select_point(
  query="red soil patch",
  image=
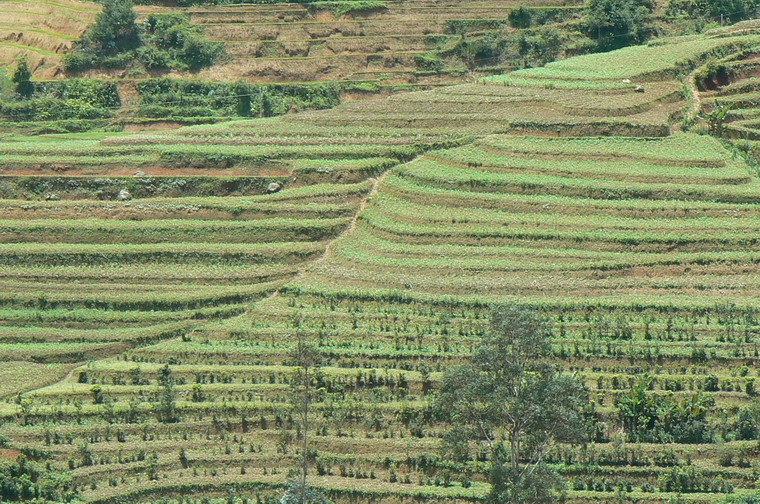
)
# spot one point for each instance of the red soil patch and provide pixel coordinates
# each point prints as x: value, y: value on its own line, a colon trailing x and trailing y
x: 9, y: 454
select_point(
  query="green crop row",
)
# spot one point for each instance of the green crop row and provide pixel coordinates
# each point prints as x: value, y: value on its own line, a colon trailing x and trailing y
x: 168, y: 230
x: 24, y: 254
x: 658, y: 58
x: 436, y: 174
x: 480, y: 159
x: 130, y: 299
x: 687, y: 148
x: 407, y: 211
x: 660, y: 208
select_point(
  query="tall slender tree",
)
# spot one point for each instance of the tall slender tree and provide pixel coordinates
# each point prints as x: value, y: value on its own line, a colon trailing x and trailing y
x: 304, y: 393
x: 510, y: 399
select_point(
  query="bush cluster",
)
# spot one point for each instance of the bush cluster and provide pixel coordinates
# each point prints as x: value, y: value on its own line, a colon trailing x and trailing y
x: 116, y: 40
x: 668, y: 418
x: 63, y: 100
x: 184, y: 98
x: 27, y: 479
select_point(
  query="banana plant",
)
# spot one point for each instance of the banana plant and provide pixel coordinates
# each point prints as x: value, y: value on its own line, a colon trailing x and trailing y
x: 716, y: 118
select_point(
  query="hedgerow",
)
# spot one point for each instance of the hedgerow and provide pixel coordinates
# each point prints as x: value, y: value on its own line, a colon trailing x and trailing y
x: 197, y: 98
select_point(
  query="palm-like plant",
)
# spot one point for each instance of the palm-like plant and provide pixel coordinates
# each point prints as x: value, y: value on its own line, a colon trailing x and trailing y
x: 716, y: 118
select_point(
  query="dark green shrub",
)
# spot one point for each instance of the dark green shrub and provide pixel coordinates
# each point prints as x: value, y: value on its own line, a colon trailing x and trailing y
x: 717, y: 10
x: 115, y: 30
x: 711, y: 383
x: 22, y: 78
x: 650, y: 417
x: 47, y: 109
x: 618, y: 23
x: 747, y: 422
x: 175, y: 42
x: 163, y: 41
x: 25, y: 479
x: 690, y: 480
x: 103, y: 94
x: 520, y: 17
x: 193, y: 98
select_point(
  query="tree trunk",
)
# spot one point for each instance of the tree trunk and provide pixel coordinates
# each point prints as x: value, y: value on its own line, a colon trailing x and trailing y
x: 305, y: 427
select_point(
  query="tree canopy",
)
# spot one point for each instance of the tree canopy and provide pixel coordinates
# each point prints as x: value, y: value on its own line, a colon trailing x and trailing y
x: 618, y: 23
x: 516, y: 404
x: 115, y: 29
x: 28, y: 480
x: 116, y: 40
x: 22, y: 77
x: 718, y: 10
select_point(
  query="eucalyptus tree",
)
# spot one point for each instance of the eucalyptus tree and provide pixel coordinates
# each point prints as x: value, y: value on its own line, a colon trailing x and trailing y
x: 515, y: 403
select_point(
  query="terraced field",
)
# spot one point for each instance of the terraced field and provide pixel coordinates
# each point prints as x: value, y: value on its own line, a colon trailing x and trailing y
x: 329, y: 144
x: 583, y: 102
x: 315, y: 42
x: 734, y: 87
x: 292, y: 42
x: 44, y: 31
x: 84, y: 279
x: 399, y: 224
x: 667, y: 222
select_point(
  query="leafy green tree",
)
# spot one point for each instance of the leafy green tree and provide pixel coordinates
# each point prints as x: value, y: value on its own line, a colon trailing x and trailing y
x: 175, y: 42
x: 618, y: 23
x: 266, y: 108
x: 243, y: 99
x: 196, y: 52
x: 115, y: 30
x: 22, y: 77
x: 539, y: 47
x: 162, y: 41
x: 151, y: 467
x: 520, y: 17
x: 716, y: 118
x: 717, y: 10
x: 747, y: 423
x: 30, y: 480
x: 518, y: 405
x: 183, y: 459
x: 97, y: 394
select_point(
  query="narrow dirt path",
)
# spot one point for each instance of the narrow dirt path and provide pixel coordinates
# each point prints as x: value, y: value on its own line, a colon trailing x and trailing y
x: 696, y: 99
x: 352, y: 223
x: 63, y: 380
x: 349, y: 229
x: 70, y: 373
x: 328, y: 248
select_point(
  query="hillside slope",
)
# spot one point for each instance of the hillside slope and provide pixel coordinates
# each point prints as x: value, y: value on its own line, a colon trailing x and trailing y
x: 315, y: 42
x: 44, y: 31
x: 292, y: 42
x: 384, y: 231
